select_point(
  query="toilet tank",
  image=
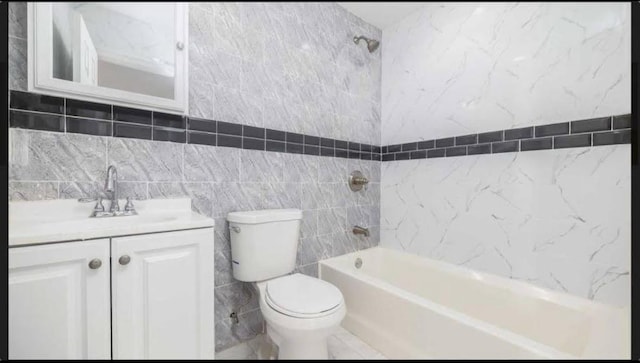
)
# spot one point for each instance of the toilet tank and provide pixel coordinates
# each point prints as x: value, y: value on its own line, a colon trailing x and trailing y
x: 264, y: 243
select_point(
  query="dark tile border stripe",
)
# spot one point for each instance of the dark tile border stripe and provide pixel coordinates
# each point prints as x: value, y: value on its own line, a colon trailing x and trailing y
x: 79, y: 125
x: 42, y: 112
x: 522, y: 133
x: 202, y: 138
x: 36, y: 121
x: 581, y: 133
x: 132, y: 131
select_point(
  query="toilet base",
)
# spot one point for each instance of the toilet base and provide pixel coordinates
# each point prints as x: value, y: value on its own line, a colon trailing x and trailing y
x: 310, y: 348
x: 267, y: 350
x: 304, y: 350
x: 300, y: 338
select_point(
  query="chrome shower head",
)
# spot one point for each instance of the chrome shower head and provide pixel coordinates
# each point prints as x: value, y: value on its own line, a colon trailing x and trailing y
x: 372, y: 44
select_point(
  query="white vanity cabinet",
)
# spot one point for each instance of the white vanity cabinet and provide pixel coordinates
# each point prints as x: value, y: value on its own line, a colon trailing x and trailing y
x: 162, y: 293
x: 150, y: 296
x: 58, y: 305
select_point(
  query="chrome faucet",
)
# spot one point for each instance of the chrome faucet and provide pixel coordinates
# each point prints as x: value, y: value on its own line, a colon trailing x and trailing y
x: 111, y: 186
x: 111, y: 190
x: 361, y: 230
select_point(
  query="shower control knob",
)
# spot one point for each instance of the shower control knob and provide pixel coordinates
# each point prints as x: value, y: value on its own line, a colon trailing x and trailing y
x: 360, y: 180
x: 124, y: 260
x: 357, y: 180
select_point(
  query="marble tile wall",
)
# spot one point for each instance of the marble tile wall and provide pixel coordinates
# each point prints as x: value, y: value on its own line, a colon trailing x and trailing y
x: 557, y: 218
x: 286, y: 66
x: 18, y: 46
x: 457, y: 69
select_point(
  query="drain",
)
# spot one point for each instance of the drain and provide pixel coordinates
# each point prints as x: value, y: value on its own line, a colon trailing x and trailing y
x: 358, y: 262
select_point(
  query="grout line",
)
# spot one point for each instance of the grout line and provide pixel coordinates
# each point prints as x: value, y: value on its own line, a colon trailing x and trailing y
x: 106, y: 153
x: 38, y: 112
x: 120, y: 122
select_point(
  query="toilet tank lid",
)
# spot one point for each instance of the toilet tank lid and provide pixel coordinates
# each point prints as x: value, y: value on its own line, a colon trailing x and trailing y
x: 265, y: 215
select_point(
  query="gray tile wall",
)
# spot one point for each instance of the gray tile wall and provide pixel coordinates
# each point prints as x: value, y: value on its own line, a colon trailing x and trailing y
x: 287, y: 66
x: 18, y: 46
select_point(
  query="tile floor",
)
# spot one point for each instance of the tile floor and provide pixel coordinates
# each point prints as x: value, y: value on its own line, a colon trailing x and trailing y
x: 342, y: 345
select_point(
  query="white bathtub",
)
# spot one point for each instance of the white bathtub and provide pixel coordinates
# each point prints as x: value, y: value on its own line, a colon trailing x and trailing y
x: 407, y: 306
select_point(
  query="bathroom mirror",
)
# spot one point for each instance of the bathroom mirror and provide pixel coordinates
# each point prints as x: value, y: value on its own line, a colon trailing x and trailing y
x: 124, y: 53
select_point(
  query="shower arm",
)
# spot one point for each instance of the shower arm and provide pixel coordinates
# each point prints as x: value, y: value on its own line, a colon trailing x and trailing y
x: 372, y: 44
x: 357, y: 39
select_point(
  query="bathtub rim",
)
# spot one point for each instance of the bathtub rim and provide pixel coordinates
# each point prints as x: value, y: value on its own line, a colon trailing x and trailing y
x: 501, y: 333
x: 575, y: 302
x: 512, y: 284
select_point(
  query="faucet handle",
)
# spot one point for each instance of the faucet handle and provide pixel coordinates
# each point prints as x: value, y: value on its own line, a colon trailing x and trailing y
x: 357, y: 181
x: 99, y: 207
x: 129, y: 206
x: 129, y: 209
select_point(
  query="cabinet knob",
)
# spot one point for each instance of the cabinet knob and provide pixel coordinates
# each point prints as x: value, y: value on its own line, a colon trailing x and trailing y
x: 124, y: 260
x: 95, y: 264
x: 180, y: 45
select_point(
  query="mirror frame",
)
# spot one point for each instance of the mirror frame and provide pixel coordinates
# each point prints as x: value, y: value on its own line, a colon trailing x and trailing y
x: 40, y: 72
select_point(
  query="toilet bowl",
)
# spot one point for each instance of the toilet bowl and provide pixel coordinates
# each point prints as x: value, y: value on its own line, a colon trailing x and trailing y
x: 300, y: 311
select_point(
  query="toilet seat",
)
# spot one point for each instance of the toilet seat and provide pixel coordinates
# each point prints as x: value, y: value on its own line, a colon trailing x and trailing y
x: 302, y: 296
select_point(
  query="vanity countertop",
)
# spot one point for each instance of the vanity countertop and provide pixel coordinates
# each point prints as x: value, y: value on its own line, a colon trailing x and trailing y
x: 61, y: 220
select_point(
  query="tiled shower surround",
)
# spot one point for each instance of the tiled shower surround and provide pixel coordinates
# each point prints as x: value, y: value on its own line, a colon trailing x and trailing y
x: 289, y: 67
x: 556, y: 218
x: 486, y: 78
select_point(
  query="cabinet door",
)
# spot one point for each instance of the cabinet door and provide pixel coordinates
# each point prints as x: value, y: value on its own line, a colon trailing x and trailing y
x: 58, y: 305
x: 163, y: 296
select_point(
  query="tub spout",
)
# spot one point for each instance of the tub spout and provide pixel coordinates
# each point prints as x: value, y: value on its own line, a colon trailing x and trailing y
x: 361, y: 230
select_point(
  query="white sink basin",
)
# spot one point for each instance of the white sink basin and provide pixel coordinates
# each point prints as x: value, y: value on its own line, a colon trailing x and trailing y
x: 95, y: 223
x: 67, y: 220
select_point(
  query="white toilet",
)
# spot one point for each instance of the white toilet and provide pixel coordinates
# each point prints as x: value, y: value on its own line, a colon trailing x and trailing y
x: 301, y: 311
